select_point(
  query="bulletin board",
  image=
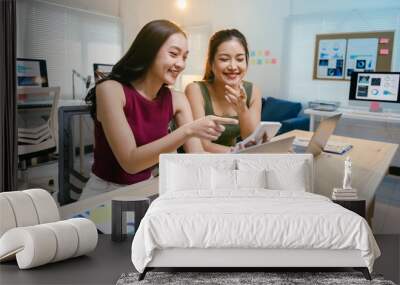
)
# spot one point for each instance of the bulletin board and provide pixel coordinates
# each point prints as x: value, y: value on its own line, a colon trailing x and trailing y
x: 336, y: 56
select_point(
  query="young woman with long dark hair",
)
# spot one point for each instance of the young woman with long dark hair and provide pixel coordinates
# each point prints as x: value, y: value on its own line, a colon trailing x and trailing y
x: 224, y: 92
x: 133, y: 106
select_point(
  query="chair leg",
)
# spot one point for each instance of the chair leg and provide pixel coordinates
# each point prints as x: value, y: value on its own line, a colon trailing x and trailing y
x: 394, y: 170
x: 364, y: 271
x: 117, y: 221
x: 143, y: 274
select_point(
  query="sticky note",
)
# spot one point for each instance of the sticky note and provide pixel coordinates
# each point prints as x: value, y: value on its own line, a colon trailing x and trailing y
x: 259, y: 61
x: 267, y: 52
x: 259, y: 53
x: 375, y: 106
x: 252, y: 61
x: 384, y: 51
x: 274, y: 61
x: 252, y: 53
x: 383, y: 40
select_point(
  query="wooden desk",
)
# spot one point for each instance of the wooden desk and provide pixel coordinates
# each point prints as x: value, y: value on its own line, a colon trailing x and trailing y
x: 371, y: 160
x: 145, y: 188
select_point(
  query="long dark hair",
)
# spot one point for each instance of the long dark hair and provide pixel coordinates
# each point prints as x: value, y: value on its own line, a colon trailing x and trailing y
x: 138, y: 59
x: 215, y: 41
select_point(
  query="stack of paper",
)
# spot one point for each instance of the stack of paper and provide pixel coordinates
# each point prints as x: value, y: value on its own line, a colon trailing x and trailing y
x: 337, y: 147
x: 344, y: 194
x: 331, y: 146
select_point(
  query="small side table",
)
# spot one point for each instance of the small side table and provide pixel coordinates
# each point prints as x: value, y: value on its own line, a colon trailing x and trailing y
x: 357, y: 206
x: 123, y: 204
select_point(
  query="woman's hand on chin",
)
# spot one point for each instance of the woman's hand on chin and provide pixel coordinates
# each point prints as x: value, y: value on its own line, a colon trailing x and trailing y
x: 236, y: 96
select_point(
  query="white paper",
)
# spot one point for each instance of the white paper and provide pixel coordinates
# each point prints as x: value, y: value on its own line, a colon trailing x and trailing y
x: 331, y: 55
x: 361, y: 55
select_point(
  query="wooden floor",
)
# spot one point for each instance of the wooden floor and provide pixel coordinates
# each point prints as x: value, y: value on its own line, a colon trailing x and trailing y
x: 110, y: 260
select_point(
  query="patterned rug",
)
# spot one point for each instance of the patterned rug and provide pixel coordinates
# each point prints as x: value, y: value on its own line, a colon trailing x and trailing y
x: 242, y: 278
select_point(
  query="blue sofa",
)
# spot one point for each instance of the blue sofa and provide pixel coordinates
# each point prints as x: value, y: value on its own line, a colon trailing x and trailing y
x: 285, y: 112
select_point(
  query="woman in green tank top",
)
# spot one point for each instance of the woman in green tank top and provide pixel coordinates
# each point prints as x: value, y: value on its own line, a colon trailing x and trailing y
x: 223, y: 91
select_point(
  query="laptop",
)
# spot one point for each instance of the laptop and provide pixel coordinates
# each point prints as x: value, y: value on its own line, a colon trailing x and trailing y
x: 278, y: 146
x: 320, y: 137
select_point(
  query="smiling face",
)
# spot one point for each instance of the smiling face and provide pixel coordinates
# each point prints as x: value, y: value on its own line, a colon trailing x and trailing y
x: 171, y: 59
x: 229, y: 65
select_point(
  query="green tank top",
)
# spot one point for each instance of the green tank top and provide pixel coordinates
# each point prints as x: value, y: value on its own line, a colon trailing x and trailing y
x: 231, y: 132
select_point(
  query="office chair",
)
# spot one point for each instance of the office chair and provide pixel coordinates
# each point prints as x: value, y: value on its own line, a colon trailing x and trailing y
x: 41, y: 140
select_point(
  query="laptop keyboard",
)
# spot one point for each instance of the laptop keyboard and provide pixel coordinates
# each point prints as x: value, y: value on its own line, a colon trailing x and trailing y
x: 300, y: 145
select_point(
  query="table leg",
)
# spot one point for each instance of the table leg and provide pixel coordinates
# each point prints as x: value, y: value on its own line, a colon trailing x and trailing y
x: 81, y: 146
x: 116, y: 223
x: 312, y: 122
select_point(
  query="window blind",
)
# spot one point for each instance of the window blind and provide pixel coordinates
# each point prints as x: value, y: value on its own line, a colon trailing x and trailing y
x: 67, y: 39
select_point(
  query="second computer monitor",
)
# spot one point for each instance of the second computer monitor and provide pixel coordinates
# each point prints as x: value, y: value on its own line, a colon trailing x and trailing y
x: 375, y: 86
x: 31, y: 73
x: 101, y: 70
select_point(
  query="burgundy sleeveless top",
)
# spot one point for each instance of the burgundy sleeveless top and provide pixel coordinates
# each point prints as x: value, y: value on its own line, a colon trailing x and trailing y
x: 148, y: 121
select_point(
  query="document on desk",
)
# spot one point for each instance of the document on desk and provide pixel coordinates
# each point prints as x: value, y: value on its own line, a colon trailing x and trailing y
x: 331, y: 146
x: 337, y: 147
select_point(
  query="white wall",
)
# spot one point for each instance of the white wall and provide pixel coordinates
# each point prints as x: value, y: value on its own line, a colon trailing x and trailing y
x: 106, y: 7
x: 261, y: 21
x: 317, y: 6
x: 311, y: 17
x: 287, y: 28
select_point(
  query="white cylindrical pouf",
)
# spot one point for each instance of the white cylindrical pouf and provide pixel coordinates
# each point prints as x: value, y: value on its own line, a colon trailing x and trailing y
x: 87, y: 235
x: 34, y: 246
x: 24, y: 210
x: 67, y: 239
x: 7, y: 218
x: 45, y: 205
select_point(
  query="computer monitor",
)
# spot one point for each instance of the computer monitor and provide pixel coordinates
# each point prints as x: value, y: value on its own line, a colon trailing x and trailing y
x: 101, y: 70
x: 31, y: 73
x: 375, y: 86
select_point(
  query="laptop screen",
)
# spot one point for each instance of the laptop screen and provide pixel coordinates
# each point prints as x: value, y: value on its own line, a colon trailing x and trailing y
x: 322, y: 134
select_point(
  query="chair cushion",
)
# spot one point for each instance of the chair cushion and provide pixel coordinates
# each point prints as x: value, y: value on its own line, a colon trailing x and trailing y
x: 8, y: 220
x: 27, y: 208
x: 45, y: 205
x: 40, y: 244
x: 31, y: 246
x: 23, y: 208
x: 67, y: 239
x: 278, y: 110
x: 87, y: 235
x: 301, y: 122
